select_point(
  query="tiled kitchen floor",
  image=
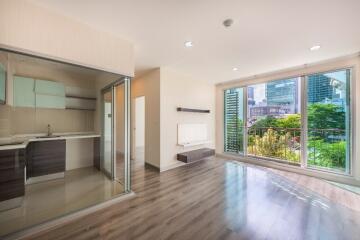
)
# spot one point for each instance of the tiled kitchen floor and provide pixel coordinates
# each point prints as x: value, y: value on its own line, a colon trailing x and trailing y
x: 47, y: 200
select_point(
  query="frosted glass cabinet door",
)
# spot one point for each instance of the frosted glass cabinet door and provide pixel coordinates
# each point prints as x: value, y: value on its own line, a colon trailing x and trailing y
x: 49, y: 88
x: 2, y: 84
x: 49, y: 94
x: 24, y: 95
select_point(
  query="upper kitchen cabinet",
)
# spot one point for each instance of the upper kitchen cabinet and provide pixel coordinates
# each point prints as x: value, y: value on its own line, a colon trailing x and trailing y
x: 49, y: 94
x: 29, y: 92
x: 24, y: 95
x: 52, y: 88
x: 2, y: 84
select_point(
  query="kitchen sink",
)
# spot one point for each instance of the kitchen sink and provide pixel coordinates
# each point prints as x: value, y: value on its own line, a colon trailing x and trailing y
x: 52, y: 136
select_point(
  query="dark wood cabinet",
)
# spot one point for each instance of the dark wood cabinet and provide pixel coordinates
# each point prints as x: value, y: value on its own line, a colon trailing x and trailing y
x: 12, y: 183
x: 97, y: 153
x: 45, y: 157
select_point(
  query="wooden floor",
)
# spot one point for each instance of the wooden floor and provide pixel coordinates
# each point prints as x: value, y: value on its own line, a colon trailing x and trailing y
x: 217, y: 199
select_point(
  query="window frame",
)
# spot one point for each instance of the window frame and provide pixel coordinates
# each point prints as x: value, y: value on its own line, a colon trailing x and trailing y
x: 349, y: 172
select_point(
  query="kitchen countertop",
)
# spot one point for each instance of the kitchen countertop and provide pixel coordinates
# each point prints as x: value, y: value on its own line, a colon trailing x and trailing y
x: 21, y: 141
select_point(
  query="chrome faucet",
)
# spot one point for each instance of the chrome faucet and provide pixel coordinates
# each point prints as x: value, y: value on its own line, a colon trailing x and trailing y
x: 49, y: 130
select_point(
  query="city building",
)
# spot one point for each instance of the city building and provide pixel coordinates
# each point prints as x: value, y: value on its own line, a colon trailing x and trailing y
x: 283, y: 93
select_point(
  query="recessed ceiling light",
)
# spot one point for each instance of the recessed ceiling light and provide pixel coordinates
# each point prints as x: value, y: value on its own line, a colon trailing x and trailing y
x: 188, y: 44
x: 235, y: 69
x: 315, y: 48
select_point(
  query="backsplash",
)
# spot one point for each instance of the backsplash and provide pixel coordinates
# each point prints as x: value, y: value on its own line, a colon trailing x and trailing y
x: 22, y: 120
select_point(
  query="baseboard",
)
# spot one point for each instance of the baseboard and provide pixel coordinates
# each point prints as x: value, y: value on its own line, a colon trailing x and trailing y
x: 284, y: 167
x: 172, y: 166
x: 149, y: 165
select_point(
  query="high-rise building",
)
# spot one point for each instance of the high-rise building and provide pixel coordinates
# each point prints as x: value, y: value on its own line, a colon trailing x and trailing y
x: 283, y: 93
x: 231, y: 120
x: 319, y: 88
x: 250, y: 93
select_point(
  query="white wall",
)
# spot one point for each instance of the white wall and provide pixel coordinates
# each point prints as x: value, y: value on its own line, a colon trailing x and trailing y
x: 352, y: 61
x: 179, y: 90
x: 34, y: 29
x: 165, y: 90
x: 140, y: 121
x: 148, y: 85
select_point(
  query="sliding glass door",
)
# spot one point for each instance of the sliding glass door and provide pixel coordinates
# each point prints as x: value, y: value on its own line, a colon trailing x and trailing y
x: 107, y: 161
x: 303, y: 121
x: 273, y: 120
x: 115, y: 156
x: 328, y: 120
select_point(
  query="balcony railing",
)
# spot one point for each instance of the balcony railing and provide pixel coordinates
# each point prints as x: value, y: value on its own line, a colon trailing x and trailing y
x: 275, y: 143
x: 326, y: 148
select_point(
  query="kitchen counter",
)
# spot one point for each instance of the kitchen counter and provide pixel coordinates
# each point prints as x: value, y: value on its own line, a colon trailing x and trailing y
x: 21, y: 141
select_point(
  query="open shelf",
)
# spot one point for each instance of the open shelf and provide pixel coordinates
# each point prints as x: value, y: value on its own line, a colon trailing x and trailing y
x: 181, y: 109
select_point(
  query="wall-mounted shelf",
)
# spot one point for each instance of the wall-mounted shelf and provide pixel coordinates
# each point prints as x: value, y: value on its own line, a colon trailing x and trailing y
x: 82, y: 109
x: 180, y: 109
x: 80, y: 103
x: 85, y: 98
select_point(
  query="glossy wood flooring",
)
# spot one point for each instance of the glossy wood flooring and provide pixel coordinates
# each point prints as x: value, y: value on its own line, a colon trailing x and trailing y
x: 216, y: 199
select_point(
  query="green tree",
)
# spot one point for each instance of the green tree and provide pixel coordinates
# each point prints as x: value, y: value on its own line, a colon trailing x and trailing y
x: 268, y: 121
x: 290, y: 121
x: 274, y: 145
x: 325, y: 116
x: 324, y: 154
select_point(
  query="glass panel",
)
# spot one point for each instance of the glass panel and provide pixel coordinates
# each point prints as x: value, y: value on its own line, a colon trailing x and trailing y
x: 120, y: 133
x: 2, y: 83
x: 107, y: 131
x: 273, y: 120
x: 234, y: 120
x: 328, y: 119
x: 84, y: 176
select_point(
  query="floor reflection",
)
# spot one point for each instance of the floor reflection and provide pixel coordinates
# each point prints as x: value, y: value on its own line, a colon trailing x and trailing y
x: 261, y: 204
x: 44, y: 201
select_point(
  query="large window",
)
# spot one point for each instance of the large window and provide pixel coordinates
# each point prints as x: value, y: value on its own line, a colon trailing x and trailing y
x: 303, y: 121
x: 328, y: 120
x: 273, y: 120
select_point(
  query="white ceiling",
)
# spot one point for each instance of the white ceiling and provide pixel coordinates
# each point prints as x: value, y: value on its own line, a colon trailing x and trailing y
x: 267, y: 35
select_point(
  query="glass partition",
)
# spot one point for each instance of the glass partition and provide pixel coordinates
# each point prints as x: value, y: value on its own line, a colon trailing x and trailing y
x: 107, y: 163
x: 120, y: 132
x: 2, y: 78
x: 58, y: 139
